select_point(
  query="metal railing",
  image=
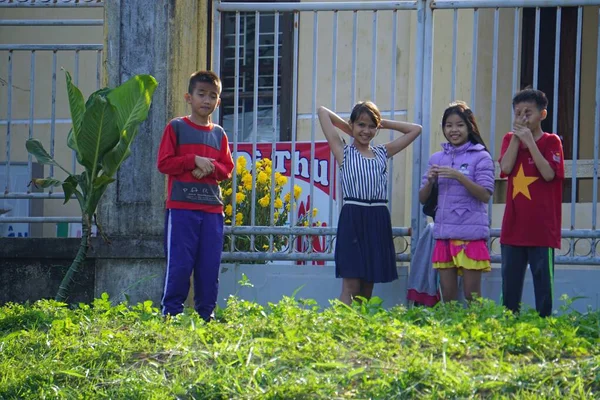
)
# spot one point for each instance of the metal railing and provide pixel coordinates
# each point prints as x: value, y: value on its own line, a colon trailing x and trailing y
x: 362, y: 68
x: 36, y: 52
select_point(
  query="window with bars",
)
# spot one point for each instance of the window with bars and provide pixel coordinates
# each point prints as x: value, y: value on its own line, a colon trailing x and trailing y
x: 273, y: 123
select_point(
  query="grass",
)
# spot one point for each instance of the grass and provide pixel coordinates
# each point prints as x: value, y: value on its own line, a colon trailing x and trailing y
x: 295, y: 350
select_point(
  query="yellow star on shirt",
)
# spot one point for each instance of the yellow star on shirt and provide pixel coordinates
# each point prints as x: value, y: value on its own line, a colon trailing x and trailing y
x: 521, y: 183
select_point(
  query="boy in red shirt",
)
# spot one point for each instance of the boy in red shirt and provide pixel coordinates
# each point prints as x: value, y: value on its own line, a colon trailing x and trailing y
x: 533, y: 162
x: 195, y: 155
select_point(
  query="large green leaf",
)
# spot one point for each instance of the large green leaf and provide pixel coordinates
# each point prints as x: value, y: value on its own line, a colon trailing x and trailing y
x: 70, y: 188
x: 46, y: 182
x: 36, y: 149
x: 131, y: 101
x: 99, y: 133
x: 77, y: 107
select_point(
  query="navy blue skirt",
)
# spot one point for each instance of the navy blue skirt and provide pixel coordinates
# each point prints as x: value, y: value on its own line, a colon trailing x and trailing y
x: 364, y: 246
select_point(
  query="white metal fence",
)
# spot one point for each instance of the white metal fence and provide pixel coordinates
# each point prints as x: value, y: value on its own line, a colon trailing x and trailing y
x: 280, y: 61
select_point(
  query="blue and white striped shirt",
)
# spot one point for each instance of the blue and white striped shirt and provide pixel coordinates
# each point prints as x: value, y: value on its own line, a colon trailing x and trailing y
x: 364, y: 178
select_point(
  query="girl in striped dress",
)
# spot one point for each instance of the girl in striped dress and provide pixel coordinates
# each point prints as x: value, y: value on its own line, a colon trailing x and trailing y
x: 364, y: 249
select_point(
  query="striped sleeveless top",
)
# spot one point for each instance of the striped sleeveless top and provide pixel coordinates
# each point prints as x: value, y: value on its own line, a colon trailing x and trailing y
x: 364, y: 178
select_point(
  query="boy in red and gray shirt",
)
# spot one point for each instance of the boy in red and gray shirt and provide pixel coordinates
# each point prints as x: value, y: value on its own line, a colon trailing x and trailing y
x: 531, y: 229
x: 195, y: 155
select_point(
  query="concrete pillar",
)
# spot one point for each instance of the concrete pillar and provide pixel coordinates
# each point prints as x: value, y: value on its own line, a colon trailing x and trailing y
x: 169, y: 40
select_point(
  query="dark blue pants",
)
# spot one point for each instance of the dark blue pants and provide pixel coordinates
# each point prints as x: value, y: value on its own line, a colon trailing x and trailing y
x: 193, y: 242
x: 514, y: 266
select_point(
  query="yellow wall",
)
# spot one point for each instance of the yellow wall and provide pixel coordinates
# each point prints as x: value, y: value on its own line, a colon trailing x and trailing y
x: 43, y: 86
x: 404, y: 89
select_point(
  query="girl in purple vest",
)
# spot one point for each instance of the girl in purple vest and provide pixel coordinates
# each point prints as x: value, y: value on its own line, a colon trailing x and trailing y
x: 464, y: 173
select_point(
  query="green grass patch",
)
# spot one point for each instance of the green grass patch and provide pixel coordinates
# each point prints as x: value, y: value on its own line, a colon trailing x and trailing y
x: 296, y: 350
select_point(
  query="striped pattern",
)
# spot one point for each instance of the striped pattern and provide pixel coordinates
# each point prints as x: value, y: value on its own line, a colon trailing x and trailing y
x: 168, y: 251
x: 364, y: 178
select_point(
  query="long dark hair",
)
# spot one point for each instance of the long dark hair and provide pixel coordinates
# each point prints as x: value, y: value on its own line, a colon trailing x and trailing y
x: 461, y: 109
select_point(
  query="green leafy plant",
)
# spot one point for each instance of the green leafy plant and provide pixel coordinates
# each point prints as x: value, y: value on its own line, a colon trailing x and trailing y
x: 104, y: 128
x: 294, y: 349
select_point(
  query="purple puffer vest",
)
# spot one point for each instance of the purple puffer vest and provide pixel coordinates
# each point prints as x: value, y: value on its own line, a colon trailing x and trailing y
x: 459, y: 215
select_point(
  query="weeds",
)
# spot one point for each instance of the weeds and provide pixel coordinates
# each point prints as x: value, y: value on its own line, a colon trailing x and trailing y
x: 294, y: 349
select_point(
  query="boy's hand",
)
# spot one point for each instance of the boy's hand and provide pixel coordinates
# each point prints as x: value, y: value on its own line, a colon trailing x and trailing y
x: 204, y: 164
x: 432, y: 174
x: 198, y: 174
x: 520, y: 129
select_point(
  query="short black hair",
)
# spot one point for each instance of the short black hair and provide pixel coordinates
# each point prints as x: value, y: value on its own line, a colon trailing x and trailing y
x: 531, y: 96
x: 204, y: 76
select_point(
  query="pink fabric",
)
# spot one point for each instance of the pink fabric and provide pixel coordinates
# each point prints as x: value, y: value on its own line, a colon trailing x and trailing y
x: 423, y: 298
x: 444, y: 250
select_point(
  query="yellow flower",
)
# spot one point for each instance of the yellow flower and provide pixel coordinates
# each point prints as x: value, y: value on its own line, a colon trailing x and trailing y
x: 240, y: 165
x: 280, y: 179
x: 262, y: 177
x: 227, y: 221
x: 239, y: 218
x: 297, y: 191
x: 247, y: 181
x: 228, y: 210
x: 267, y: 162
x: 305, y: 223
x: 264, y: 201
x: 314, y: 212
x: 241, y: 161
x: 268, y: 171
x: 259, y: 164
x: 228, y: 192
x: 287, y: 197
x: 287, y: 207
x: 276, y: 216
x: 240, y: 188
x: 265, y: 246
x: 278, y: 203
x: 239, y: 197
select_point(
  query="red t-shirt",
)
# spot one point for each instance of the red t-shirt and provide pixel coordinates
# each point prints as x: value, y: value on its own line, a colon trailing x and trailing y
x: 533, y: 206
x: 182, y: 141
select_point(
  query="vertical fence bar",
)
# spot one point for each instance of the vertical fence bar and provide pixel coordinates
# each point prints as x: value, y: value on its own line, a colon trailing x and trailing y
x: 31, y: 111
x: 392, y: 105
x: 576, y: 119
x: 354, y: 51
x: 76, y: 81
x: 275, y: 138
x: 333, y: 183
x: 454, y: 55
x: 53, y: 114
x: 556, y: 70
x: 313, y: 166
x: 98, y: 69
x: 474, y: 63
x: 493, y: 99
x: 374, y: 60
x: 416, y: 213
x: 294, y: 128
x: 9, y: 118
x: 596, y: 137
x: 255, y: 123
x: 515, y: 59
x: 536, y: 49
x: 216, y: 60
x: 236, y: 116
x: 427, y: 85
